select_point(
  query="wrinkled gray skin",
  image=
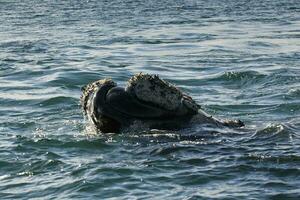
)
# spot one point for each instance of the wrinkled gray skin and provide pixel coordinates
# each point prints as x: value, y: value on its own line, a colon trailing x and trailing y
x: 111, y: 108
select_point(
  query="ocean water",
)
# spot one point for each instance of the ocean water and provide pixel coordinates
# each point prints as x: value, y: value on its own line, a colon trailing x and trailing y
x: 239, y: 59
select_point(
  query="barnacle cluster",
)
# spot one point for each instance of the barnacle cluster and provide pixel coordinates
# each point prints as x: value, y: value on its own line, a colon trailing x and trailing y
x: 90, y: 89
x: 152, y: 89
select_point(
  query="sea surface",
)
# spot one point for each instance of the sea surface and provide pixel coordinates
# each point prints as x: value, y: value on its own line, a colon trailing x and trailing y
x: 239, y: 59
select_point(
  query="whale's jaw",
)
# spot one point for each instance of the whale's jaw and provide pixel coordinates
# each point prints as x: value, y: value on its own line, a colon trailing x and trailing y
x: 93, y: 95
x: 146, y: 98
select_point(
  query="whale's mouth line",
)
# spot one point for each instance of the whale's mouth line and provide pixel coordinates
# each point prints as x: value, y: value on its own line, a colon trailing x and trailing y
x: 145, y: 98
x: 113, y: 110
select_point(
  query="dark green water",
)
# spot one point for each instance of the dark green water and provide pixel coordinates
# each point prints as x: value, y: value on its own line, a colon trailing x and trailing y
x: 238, y: 59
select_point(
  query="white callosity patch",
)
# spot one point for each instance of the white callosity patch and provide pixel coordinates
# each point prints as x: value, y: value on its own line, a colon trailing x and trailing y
x: 150, y: 88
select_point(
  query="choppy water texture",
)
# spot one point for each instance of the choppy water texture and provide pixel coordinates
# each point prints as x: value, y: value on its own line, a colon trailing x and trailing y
x: 238, y: 59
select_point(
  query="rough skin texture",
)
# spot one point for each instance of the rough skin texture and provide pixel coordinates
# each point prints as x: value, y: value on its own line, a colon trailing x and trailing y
x: 154, y: 92
x: 152, y: 89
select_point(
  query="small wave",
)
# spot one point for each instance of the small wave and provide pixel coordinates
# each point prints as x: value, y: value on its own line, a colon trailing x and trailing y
x: 289, y: 108
x: 194, y: 161
x: 290, y: 194
x: 20, y: 124
x: 41, y: 166
x: 274, y: 132
x: 70, y: 79
x: 276, y: 184
x: 179, y: 22
x: 295, y: 92
x: 261, y: 44
x: 59, y: 100
x: 63, y: 143
x: 169, y: 150
x: 280, y: 159
x: 241, y: 76
x: 4, y: 164
x: 240, y: 79
x: 115, y: 65
x: 26, y: 46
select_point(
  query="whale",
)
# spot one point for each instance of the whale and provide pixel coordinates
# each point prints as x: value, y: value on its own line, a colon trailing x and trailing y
x: 145, y: 98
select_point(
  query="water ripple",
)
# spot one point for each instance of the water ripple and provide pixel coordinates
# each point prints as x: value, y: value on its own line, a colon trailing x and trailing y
x: 238, y: 59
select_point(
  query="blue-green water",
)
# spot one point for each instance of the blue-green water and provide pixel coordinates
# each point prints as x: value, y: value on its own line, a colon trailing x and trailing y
x: 238, y: 59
